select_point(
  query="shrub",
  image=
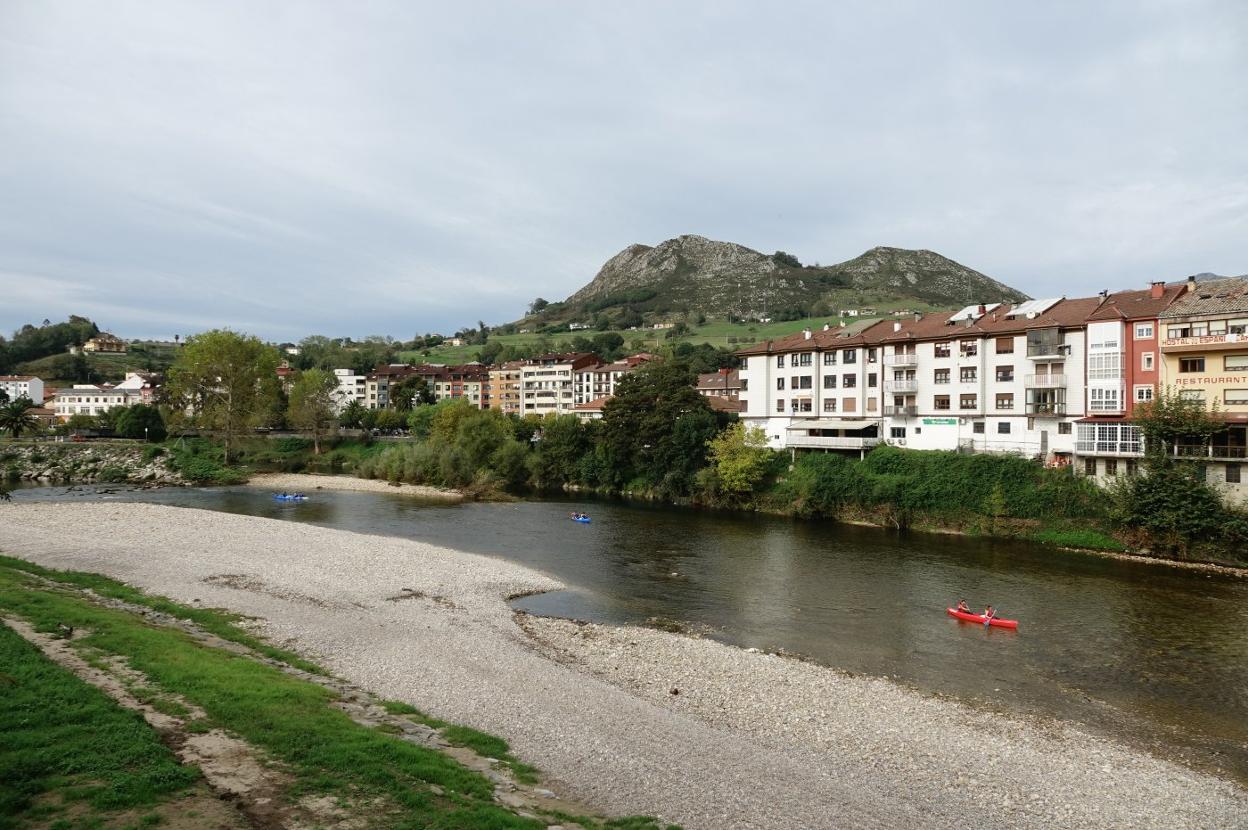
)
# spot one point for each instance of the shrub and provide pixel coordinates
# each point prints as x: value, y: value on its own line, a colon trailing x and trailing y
x: 114, y: 474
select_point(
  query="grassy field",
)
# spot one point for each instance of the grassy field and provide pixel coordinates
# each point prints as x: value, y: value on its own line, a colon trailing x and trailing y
x: 140, y: 358
x: 719, y: 333
x: 63, y: 742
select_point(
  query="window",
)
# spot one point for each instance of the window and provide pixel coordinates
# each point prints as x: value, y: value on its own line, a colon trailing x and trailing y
x: 829, y: 381
x: 978, y: 427
x: 1104, y: 365
x: 1089, y: 466
x: 941, y: 402
x: 872, y: 380
x: 968, y: 374
x: 803, y: 382
x: 968, y: 348
x: 1143, y: 394
x: 849, y: 381
x: 779, y: 361
x: 1239, y: 326
x: 780, y: 384
x: 1005, y: 374
x: 1143, y: 331
x: 1235, y: 363
x: 872, y: 357
x: 1063, y: 428
x: 849, y: 356
x: 1217, y: 326
x: 967, y: 401
x: 780, y: 405
x: 849, y: 405
x: 803, y: 359
x: 803, y: 405
x: 829, y: 358
x: 1111, y: 466
x: 897, y: 432
x: 1146, y: 361
x: 1103, y: 400
x: 1005, y: 400
x: 1191, y: 364
x: 942, y: 350
x: 1133, y: 468
x: 871, y: 404
x: 1235, y: 397
x: 942, y: 376
x: 1232, y: 474
x: 1005, y: 345
x: 793, y: 404
x: 829, y: 405
x: 1003, y: 427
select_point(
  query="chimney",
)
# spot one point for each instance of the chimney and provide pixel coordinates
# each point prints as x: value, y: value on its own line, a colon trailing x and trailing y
x: 842, y: 324
x: 1104, y: 295
x: 1156, y: 289
x: 983, y: 309
x: 918, y: 315
x: 826, y: 327
x: 806, y: 334
x: 896, y: 326
x: 1191, y: 283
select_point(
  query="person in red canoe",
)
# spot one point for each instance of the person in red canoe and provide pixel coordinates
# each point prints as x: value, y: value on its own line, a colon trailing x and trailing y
x: 989, y: 613
x: 963, y: 607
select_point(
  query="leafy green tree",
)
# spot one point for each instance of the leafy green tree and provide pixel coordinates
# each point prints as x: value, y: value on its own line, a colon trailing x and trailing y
x: 563, y: 441
x: 413, y: 390
x: 608, y: 345
x: 228, y: 380
x: 16, y: 418
x: 312, y: 405
x: 740, y: 457
x: 787, y: 260
x: 446, y: 418
x: 538, y: 305
x: 388, y: 420
x: 352, y: 416
x: 140, y: 421
x: 479, y: 435
x: 1170, y: 418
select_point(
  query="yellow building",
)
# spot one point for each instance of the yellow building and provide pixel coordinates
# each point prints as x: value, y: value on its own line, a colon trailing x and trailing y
x: 105, y: 343
x: 504, y: 387
x: 1203, y: 346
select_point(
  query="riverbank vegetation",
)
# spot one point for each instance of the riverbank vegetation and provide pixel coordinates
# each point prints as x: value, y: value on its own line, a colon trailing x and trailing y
x: 66, y: 745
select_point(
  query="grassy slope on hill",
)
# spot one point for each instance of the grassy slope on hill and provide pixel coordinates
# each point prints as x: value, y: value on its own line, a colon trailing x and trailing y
x: 111, y: 366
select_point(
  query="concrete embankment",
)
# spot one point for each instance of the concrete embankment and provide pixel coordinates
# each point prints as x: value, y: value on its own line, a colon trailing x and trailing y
x: 625, y: 719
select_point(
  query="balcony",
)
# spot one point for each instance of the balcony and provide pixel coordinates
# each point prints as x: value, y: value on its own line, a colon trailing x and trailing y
x: 901, y: 411
x: 910, y: 385
x: 1048, y: 351
x: 1210, y: 451
x: 902, y: 360
x: 825, y: 442
x: 1046, y: 409
x: 1045, y: 381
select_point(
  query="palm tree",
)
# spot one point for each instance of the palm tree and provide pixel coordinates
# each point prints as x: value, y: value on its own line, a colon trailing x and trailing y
x: 15, y: 418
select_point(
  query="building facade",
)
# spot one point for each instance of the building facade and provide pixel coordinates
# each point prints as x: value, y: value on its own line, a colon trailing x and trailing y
x: 547, y: 382
x: 22, y: 386
x: 351, y: 387
x: 88, y: 399
x: 504, y: 390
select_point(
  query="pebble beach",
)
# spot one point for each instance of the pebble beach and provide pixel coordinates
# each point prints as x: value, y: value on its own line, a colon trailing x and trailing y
x: 628, y: 720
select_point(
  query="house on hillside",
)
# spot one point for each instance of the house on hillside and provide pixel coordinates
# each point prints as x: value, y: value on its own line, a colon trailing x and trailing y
x: 105, y: 343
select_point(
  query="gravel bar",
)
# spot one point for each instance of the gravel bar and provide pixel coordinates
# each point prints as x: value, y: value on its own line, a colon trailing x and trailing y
x: 304, y: 482
x: 628, y: 720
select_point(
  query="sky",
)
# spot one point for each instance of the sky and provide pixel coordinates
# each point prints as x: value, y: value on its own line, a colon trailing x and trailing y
x: 355, y: 168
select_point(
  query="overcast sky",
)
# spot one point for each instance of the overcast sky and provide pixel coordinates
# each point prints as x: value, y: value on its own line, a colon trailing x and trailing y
x: 356, y: 168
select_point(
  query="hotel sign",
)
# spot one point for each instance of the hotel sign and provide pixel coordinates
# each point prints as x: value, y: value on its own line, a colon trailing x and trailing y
x: 932, y: 422
x: 1204, y: 340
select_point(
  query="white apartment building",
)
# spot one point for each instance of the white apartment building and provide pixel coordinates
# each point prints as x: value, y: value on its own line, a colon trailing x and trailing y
x: 599, y: 380
x: 815, y: 390
x: 87, y: 399
x: 351, y: 387
x: 547, y: 382
x: 22, y: 386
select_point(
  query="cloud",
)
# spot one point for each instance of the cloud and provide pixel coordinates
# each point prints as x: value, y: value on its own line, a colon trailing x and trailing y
x: 399, y: 168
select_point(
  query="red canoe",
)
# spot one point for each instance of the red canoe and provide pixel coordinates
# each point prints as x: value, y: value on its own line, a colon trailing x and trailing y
x: 979, y: 618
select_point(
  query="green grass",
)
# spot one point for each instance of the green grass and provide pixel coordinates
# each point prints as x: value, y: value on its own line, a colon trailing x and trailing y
x: 1087, y: 538
x: 59, y: 734
x: 221, y: 623
x: 288, y: 718
x: 482, y: 743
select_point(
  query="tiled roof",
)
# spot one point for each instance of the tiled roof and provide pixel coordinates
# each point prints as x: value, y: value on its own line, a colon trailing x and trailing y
x: 1137, y: 305
x: 1224, y: 296
x: 725, y: 404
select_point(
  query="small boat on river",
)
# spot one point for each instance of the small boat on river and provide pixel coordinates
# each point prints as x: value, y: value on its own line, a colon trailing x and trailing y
x: 580, y: 517
x: 981, y: 619
x: 290, y: 497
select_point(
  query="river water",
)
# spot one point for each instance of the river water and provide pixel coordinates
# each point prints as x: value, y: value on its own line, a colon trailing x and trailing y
x: 1154, y: 655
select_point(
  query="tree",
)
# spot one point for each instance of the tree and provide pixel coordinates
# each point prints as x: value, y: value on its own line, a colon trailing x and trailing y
x: 352, y: 416
x: 312, y: 404
x: 564, y: 441
x: 740, y: 457
x: 228, y: 380
x: 413, y: 390
x: 781, y: 258
x: 140, y: 421
x: 16, y: 418
x: 537, y: 305
x: 1170, y: 418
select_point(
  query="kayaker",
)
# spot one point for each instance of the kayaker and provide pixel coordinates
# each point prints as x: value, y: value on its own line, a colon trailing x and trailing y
x: 989, y: 613
x: 963, y: 607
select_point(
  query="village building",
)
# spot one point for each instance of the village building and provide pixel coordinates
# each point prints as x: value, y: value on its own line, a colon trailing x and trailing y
x: 351, y: 387
x: 547, y: 382
x: 22, y: 386
x: 726, y: 383
x: 89, y: 399
x: 504, y: 387
x: 105, y: 343
x: 599, y: 380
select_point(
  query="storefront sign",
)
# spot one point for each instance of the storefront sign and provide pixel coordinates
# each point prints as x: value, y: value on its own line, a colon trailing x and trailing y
x: 934, y: 422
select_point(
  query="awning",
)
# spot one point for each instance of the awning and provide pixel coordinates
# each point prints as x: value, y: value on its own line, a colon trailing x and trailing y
x: 832, y: 423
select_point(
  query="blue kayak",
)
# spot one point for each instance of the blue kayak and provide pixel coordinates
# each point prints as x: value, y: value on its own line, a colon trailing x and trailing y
x: 582, y: 519
x: 281, y: 497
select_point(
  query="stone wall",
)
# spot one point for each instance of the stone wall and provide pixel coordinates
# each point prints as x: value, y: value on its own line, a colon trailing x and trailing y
x: 89, y: 462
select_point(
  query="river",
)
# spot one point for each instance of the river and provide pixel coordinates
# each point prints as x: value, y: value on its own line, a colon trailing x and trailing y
x: 1154, y: 655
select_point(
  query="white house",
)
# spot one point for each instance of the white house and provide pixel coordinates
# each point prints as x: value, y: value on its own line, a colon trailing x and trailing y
x: 22, y: 386
x: 351, y: 387
x: 87, y: 399
x: 547, y: 382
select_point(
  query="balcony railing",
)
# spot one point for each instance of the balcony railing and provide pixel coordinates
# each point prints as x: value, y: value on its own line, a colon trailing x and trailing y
x: 828, y: 442
x: 901, y: 360
x: 1045, y: 381
x: 1209, y: 451
x: 1046, y: 409
x: 1048, y: 351
x: 902, y: 386
x: 904, y: 411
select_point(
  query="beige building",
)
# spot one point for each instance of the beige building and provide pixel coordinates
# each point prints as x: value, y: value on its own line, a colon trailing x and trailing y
x: 105, y: 343
x: 504, y: 389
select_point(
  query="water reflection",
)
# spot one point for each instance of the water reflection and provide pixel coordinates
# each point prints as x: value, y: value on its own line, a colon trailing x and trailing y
x: 1156, y: 655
